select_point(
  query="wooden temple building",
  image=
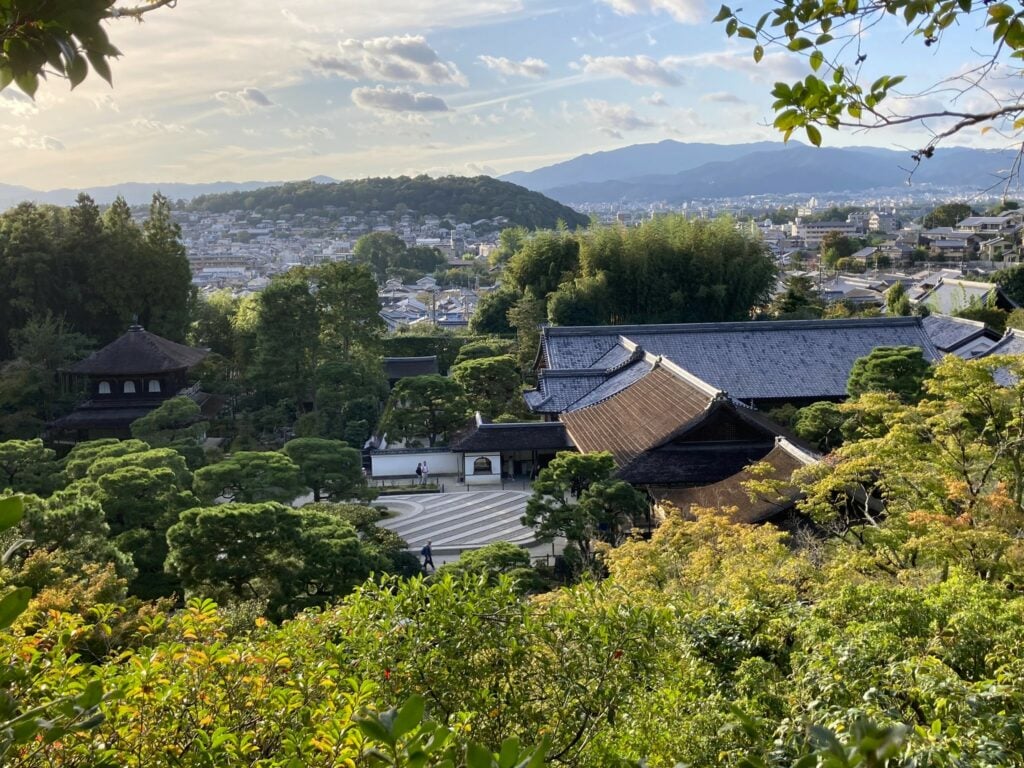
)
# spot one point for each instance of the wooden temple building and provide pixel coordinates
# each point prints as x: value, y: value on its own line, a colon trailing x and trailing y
x: 125, y: 380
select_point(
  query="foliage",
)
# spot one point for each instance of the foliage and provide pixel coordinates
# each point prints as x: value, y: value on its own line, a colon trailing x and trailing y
x: 800, y: 300
x: 821, y: 424
x: 897, y: 301
x: 491, y: 314
x: 37, y: 39
x: 986, y: 313
x: 493, y: 385
x: 470, y: 198
x: 544, y: 262
x: 493, y: 560
x: 250, y: 476
x: 486, y: 347
x: 328, y: 467
x: 901, y: 370
x: 1011, y: 280
x: 839, y: 91
x: 428, y: 407
x: 289, y: 559
x: 27, y: 466
x: 177, y: 423
x: 947, y: 215
x: 576, y: 497
x: 386, y: 254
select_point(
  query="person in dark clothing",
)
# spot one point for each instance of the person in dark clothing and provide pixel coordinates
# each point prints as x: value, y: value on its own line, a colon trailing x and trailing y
x: 428, y: 557
x: 419, y: 474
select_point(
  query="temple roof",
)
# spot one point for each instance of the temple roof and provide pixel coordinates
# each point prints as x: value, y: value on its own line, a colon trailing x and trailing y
x: 948, y: 333
x: 138, y: 352
x: 641, y: 416
x: 765, y: 360
x: 483, y: 436
x: 783, y: 460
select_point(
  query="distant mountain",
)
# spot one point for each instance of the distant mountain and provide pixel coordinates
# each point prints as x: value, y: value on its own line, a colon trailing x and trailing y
x: 793, y: 168
x: 636, y: 160
x: 468, y: 199
x: 136, y: 193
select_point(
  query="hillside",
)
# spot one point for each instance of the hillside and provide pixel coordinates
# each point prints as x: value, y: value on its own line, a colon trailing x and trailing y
x: 136, y: 193
x: 466, y: 198
x: 685, y: 171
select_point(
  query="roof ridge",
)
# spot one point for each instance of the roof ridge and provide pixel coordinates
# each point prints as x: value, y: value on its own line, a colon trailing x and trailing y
x: 728, y: 326
x: 796, y: 451
x: 690, y: 378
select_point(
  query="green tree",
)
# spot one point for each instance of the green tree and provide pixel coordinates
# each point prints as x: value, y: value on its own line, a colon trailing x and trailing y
x: 948, y: 215
x: 491, y: 315
x: 510, y: 241
x: 428, y: 407
x: 382, y: 252
x: 1012, y: 282
x: 800, y: 301
x: 348, y: 308
x: 177, y: 423
x: 488, y: 347
x: 290, y: 559
x: 249, y: 477
x: 900, y: 370
x: 526, y: 316
x: 213, y: 324
x: 836, y: 246
x: 27, y: 466
x: 66, y: 41
x: 576, y: 497
x: 164, y: 293
x: 493, y: 385
x: 821, y: 424
x: 493, y: 560
x: 287, y: 341
x: 330, y: 468
x: 897, y: 301
x: 544, y: 262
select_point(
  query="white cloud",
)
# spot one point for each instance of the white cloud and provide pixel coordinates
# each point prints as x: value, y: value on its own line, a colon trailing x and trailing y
x: 656, y: 100
x: 308, y: 133
x: 381, y: 99
x: 244, y: 100
x: 406, y: 58
x: 722, y: 97
x: 638, y: 69
x: 41, y: 143
x: 528, y: 67
x: 773, y: 67
x: 614, y: 119
x: 17, y: 103
x: 145, y: 125
x: 683, y: 11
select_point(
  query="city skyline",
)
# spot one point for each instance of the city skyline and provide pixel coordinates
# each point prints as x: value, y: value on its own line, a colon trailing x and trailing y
x: 207, y: 92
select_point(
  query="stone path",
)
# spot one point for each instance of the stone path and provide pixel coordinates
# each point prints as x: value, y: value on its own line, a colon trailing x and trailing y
x: 457, y: 521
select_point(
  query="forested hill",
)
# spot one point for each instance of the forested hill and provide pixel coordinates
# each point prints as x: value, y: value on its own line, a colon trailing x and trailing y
x: 467, y: 198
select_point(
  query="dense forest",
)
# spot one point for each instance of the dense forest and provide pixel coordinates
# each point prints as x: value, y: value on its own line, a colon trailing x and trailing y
x: 468, y: 199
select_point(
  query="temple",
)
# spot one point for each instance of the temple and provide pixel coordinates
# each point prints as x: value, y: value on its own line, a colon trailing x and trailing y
x: 125, y: 380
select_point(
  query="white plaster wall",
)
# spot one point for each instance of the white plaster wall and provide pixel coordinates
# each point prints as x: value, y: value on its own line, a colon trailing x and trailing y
x: 404, y: 464
x: 491, y: 479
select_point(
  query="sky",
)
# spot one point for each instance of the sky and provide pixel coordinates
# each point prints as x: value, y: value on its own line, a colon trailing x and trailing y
x: 237, y: 90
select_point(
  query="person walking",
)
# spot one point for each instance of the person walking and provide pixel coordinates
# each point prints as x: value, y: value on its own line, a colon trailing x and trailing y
x: 426, y: 473
x: 419, y: 474
x: 428, y: 557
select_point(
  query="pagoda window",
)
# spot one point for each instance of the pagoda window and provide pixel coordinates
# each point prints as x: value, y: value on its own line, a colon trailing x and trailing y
x: 129, y: 388
x: 482, y: 466
x: 153, y: 386
x: 103, y: 388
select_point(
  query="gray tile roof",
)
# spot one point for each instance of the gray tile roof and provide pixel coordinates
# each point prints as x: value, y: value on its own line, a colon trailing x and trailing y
x: 614, y: 384
x: 797, y: 359
x: 948, y: 333
x: 950, y: 296
x: 139, y: 352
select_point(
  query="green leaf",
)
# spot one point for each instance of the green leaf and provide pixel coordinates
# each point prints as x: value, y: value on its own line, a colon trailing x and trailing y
x: 816, y: 59
x: 91, y: 696
x: 11, y: 511
x: 374, y: 729
x: 813, y: 135
x: 13, y: 605
x: 723, y: 13
x: 1000, y: 12
x: 799, y: 44
x: 77, y: 69
x: 509, y: 753
x: 478, y: 756
x: 758, y: 53
x: 747, y: 33
x: 409, y: 716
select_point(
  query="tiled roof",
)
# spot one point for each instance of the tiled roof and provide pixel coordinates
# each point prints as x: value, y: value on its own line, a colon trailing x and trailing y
x: 950, y: 296
x: 613, y: 384
x: 138, y: 352
x: 948, y: 333
x: 641, y: 416
x: 526, y: 436
x: 761, y: 360
x: 1011, y: 344
x: 401, y: 367
x: 784, y: 459
x: 692, y: 464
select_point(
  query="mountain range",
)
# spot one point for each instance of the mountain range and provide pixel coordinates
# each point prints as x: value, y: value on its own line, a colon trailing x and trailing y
x: 676, y: 172
x: 136, y: 193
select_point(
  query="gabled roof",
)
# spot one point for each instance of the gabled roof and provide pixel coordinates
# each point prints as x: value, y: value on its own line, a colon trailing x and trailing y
x: 483, y: 436
x: 795, y: 359
x: 401, y: 367
x: 950, y: 333
x: 642, y: 416
x: 949, y: 296
x: 138, y: 352
x: 784, y: 459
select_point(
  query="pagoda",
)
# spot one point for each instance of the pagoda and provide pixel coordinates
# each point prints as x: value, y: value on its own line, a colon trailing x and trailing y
x: 124, y: 381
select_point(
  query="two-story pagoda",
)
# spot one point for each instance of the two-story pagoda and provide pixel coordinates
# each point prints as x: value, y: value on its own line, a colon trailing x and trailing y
x: 127, y: 379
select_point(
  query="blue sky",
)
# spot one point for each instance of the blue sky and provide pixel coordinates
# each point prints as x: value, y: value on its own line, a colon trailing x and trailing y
x: 259, y: 89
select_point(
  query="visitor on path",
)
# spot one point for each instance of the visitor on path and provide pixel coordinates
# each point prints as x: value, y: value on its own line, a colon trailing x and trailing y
x: 426, y: 472
x: 419, y: 474
x: 428, y: 557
